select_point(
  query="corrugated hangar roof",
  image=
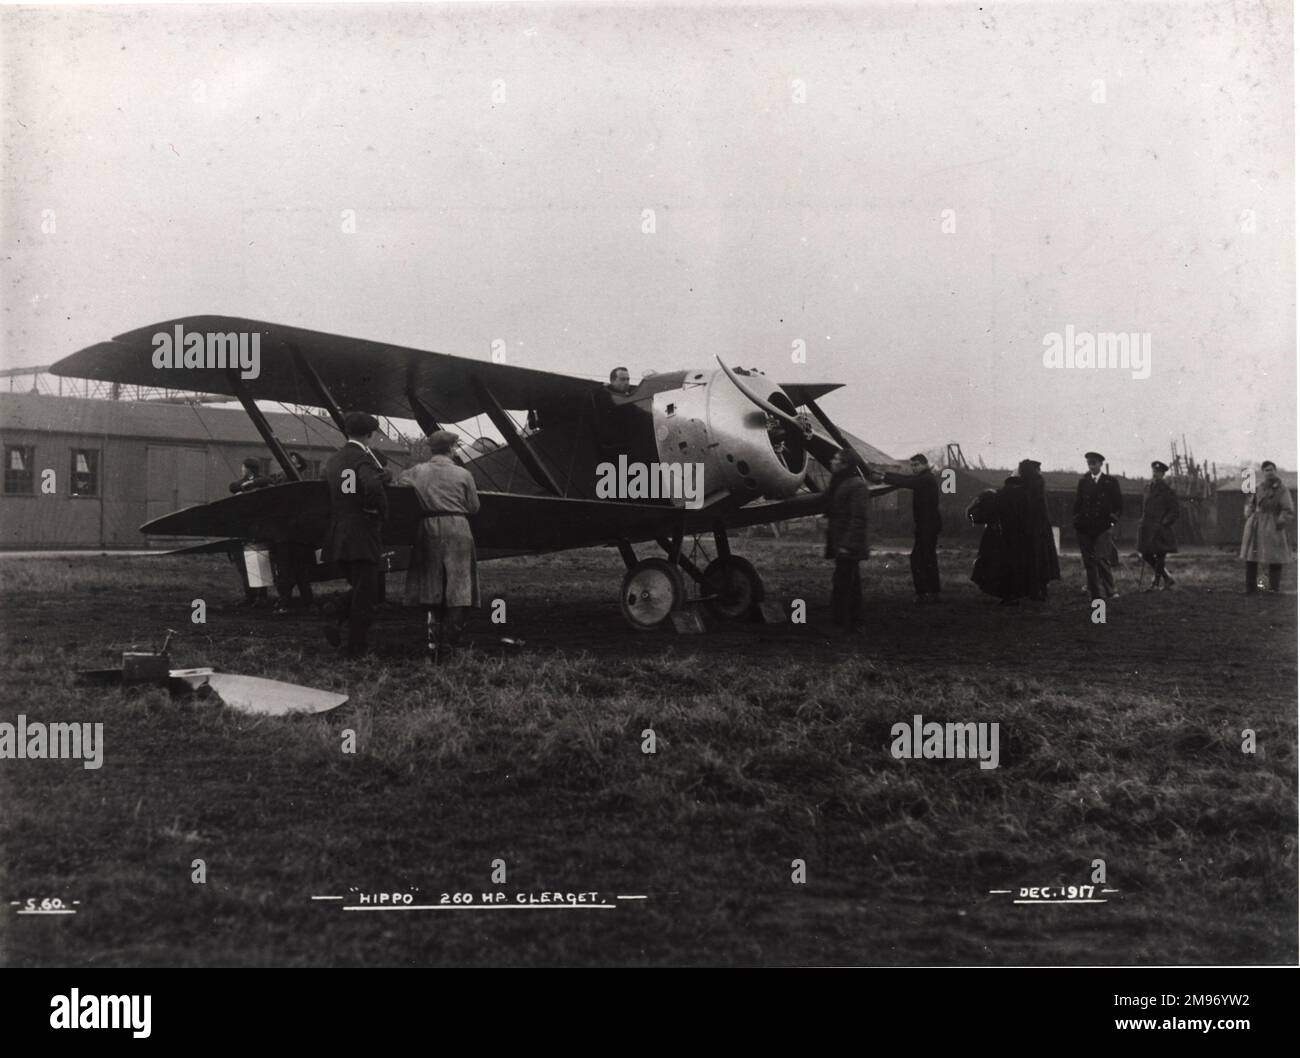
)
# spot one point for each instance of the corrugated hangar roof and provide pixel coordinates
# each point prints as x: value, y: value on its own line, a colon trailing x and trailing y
x: 182, y: 422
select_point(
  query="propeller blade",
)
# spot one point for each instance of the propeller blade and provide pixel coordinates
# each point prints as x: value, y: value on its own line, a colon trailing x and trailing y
x: 834, y: 431
x: 821, y: 449
x: 760, y: 402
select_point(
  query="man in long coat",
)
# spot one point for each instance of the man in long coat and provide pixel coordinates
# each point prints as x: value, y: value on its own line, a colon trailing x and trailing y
x: 1098, y: 505
x: 990, y: 569
x: 353, y: 539
x: 1160, y: 511
x: 1043, y: 565
x: 443, y: 577
x: 1004, y: 566
x: 1268, y: 511
x: 846, y: 540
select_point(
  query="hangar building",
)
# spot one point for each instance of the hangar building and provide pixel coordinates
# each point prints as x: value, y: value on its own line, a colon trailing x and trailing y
x: 118, y: 464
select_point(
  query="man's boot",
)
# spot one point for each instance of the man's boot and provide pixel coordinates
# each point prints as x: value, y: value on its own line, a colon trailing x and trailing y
x: 1275, y: 577
x: 1252, y: 577
x: 456, y: 626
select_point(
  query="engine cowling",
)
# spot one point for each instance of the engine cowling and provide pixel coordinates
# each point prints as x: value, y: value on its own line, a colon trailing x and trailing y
x: 743, y: 450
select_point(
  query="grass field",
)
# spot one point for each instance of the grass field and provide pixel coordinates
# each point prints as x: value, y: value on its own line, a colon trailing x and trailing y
x: 1119, y: 742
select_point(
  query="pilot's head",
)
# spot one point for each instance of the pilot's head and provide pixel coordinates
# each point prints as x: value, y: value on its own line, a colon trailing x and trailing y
x: 919, y: 463
x: 299, y: 464
x: 620, y: 380
x: 840, y: 461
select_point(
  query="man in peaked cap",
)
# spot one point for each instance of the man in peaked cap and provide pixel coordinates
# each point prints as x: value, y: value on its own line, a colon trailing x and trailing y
x: 1098, y: 505
x: 358, y: 508
x: 1160, y: 511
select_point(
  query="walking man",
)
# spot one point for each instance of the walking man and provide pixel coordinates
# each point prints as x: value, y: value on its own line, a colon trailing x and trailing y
x: 443, y: 577
x: 1098, y: 505
x: 846, y: 541
x: 926, y: 524
x: 358, y: 508
x: 1156, y: 532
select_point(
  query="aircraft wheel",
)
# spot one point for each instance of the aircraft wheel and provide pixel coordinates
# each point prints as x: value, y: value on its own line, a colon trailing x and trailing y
x: 735, y: 586
x: 652, y: 589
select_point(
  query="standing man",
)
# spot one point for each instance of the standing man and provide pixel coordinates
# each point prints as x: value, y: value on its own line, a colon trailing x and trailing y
x: 443, y: 577
x: 846, y: 540
x: 1098, y: 505
x: 1263, y: 538
x: 358, y: 508
x: 1042, y: 563
x: 926, y: 524
x: 292, y: 560
x: 1156, y: 532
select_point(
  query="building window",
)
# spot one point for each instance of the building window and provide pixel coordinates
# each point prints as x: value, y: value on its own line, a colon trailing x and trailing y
x: 264, y: 467
x: 85, y: 472
x: 18, y: 469
x: 313, y: 470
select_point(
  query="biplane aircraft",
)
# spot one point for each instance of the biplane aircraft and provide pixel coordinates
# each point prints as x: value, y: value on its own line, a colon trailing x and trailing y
x: 762, y: 459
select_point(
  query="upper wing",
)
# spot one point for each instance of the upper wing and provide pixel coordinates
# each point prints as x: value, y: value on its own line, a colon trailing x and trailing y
x: 361, y: 375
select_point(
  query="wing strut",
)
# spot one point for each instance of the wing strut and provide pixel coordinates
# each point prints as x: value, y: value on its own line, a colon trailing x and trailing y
x: 318, y: 386
x: 423, y: 413
x: 263, y: 427
x: 518, y: 445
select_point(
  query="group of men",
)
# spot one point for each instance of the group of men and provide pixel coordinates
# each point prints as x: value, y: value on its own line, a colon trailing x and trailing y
x: 1017, y: 556
x: 443, y: 575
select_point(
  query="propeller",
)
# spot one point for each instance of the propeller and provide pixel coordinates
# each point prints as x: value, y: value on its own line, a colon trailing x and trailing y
x: 822, y: 449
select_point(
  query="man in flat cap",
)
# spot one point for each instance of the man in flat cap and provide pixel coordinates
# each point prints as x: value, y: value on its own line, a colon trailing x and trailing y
x: 926, y: 523
x: 1098, y: 505
x: 354, y: 538
x: 1160, y: 511
x: 443, y: 577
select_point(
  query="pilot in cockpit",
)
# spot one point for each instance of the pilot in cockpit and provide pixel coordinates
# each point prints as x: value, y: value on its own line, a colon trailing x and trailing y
x: 620, y: 382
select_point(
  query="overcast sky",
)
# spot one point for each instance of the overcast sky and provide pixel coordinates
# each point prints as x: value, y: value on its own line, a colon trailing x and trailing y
x: 1108, y: 167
